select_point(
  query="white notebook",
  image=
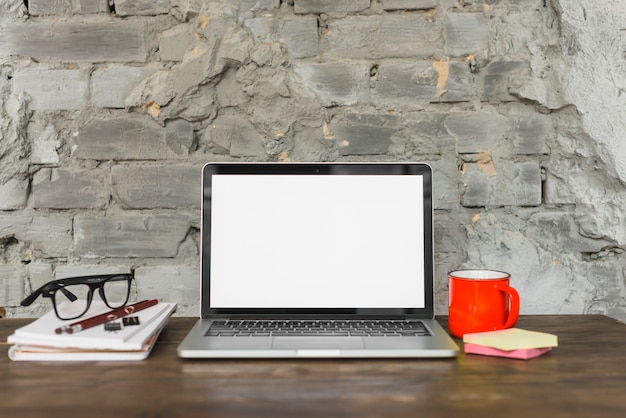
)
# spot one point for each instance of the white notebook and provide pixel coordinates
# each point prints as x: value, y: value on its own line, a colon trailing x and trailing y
x: 39, y: 341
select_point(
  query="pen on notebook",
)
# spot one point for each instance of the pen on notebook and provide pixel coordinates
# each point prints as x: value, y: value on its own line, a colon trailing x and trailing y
x: 106, y: 317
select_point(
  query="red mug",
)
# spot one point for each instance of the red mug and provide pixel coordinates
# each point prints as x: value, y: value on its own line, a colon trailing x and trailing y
x: 480, y: 300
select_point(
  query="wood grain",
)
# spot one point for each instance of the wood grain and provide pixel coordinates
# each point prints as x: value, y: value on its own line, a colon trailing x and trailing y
x: 584, y: 376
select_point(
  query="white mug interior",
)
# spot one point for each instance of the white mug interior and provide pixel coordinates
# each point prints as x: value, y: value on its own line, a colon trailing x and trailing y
x: 479, y: 274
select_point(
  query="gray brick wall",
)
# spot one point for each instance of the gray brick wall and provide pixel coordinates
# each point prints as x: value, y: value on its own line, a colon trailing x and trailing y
x: 50, y: 90
x: 58, y: 188
x: 129, y: 235
x: 76, y: 41
x: 384, y: 36
x: 67, y: 7
x: 110, y: 108
x: 128, y: 138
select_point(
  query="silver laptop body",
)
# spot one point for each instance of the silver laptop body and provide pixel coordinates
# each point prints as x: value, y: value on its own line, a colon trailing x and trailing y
x: 310, y: 245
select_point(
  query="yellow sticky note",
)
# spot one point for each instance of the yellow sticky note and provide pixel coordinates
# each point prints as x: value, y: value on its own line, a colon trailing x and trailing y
x: 512, y: 339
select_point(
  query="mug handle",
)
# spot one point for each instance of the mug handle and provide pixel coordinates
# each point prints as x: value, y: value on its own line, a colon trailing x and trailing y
x: 513, y: 297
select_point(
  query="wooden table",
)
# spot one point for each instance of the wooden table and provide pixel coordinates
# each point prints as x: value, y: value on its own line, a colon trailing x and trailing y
x: 585, y: 376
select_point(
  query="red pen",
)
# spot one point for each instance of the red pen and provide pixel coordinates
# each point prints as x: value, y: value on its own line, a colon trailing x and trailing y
x: 106, y: 317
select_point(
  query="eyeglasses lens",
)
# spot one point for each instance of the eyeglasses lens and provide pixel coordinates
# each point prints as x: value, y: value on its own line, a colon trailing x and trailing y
x: 116, y: 291
x: 71, y: 301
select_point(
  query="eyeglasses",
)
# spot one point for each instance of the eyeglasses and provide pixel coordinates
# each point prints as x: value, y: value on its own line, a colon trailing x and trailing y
x: 72, y: 296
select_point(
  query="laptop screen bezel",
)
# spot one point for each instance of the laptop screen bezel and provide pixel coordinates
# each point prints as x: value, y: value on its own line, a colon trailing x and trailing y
x: 323, y: 169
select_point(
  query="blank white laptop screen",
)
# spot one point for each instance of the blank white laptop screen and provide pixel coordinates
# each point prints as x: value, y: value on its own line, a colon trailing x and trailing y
x: 307, y: 241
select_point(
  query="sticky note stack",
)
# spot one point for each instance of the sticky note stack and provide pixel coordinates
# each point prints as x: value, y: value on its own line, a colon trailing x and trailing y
x: 512, y: 343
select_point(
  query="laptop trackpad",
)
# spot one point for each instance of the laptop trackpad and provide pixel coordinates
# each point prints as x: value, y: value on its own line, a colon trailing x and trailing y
x: 318, y: 343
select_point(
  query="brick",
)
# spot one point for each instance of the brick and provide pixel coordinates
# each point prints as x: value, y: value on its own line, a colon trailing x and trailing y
x: 560, y: 191
x: 427, y: 134
x: 39, y: 273
x: 11, y: 285
x: 67, y: 7
x: 405, y: 83
x: 384, y: 36
x: 336, y: 84
x: 59, y: 188
x: 454, y: 83
x: 141, y: 7
x: 445, y: 185
x: 93, y: 6
x: 133, y: 139
x: 451, y: 4
x: 175, y: 42
x: 503, y: 183
x: 237, y: 135
x: 52, y: 90
x: 311, y: 145
x: 330, y: 6
x: 178, y: 284
x: 364, y: 134
x: 465, y: 33
x: 50, y: 235
x: 111, y: 85
x: 409, y: 4
x: 559, y: 232
x: 13, y: 194
x: 50, y: 7
x: 255, y: 5
x: 500, y: 78
x: 529, y: 134
x: 115, y: 41
x: 300, y: 36
x: 475, y: 132
x: 76, y: 270
x: 363, y: 139
x: 418, y: 83
x: 149, y: 236
x: 478, y: 190
x: 147, y: 187
x: 527, y: 186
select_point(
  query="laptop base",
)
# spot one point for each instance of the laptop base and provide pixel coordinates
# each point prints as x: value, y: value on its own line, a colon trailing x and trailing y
x: 197, y: 345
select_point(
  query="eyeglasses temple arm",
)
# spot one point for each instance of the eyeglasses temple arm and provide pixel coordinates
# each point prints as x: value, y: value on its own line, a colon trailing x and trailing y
x: 31, y: 298
x: 68, y: 294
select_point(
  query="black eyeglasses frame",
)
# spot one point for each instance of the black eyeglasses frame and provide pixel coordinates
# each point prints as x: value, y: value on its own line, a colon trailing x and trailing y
x: 48, y: 290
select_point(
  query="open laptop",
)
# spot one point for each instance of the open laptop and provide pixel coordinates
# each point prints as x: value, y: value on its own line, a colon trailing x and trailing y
x: 317, y: 260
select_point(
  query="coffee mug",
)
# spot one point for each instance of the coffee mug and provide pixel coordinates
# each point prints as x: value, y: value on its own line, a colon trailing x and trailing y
x: 480, y: 300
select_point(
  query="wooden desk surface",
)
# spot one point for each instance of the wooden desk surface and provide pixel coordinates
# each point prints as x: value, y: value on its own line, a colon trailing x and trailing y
x: 585, y: 376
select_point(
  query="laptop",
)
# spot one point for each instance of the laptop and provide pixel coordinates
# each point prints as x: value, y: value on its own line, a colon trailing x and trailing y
x: 317, y: 260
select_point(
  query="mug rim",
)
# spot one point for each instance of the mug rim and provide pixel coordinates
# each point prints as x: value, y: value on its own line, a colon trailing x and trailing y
x: 491, y: 274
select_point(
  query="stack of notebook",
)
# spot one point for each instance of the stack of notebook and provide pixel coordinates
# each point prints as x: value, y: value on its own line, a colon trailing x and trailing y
x: 133, y: 339
x: 512, y: 343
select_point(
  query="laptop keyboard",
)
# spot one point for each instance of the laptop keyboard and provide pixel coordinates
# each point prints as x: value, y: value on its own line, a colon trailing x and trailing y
x: 346, y: 328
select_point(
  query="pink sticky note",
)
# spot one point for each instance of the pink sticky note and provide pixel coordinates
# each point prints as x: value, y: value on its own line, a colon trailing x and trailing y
x: 523, y: 354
